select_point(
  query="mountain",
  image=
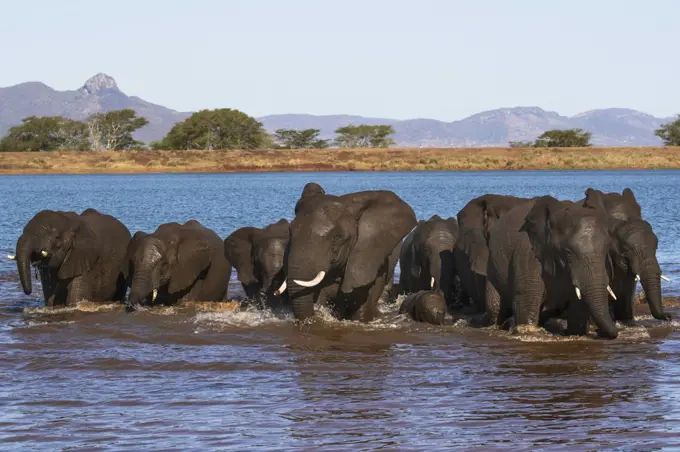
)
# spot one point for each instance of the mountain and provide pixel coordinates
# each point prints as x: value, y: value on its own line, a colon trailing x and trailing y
x: 98, y: 94
x: 610, y: 127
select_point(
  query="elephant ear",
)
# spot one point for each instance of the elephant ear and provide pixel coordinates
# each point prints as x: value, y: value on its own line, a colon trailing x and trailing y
x: 381, y: 226
x: 489, y: 218
x: 540, y: 226
x: 193, y: 258
x: 635, y: 211
x: 238, y: 249
x: 83, y: 252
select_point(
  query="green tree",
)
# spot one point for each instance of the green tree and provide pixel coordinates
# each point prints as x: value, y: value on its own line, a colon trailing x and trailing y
x: 300, y: 139
x: 222, y: 128
x: 46, y: 133
x: 563, y: 139
x: 521, y: 144
x: 364, y: 136
x: 670, y: 133
x: 112, y: 131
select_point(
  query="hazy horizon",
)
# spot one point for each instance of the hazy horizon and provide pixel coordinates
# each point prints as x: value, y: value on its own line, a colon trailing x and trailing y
x: 397, y: 59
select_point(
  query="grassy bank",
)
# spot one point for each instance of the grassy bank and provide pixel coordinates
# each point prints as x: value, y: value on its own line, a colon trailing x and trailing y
x: 338, y: 160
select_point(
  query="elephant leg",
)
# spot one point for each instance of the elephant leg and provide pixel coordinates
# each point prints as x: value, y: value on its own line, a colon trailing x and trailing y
x: 368, y: 310
x: 79, y: 289
x: 493, y: 304
x: 578, y: 317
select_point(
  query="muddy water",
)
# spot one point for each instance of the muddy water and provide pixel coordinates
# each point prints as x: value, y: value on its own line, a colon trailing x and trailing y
x: 207, y: 377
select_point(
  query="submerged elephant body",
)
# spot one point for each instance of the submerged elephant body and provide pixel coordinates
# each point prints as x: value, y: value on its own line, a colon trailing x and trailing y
x: 426, y: 261
x: 175, y: 263
x: 341, y: 249
x: 632, y: 253
x: 472, y: 252
x: 548, y: 257
x: 425, y: 306
x: 79, y: 257
x: 257, y: 254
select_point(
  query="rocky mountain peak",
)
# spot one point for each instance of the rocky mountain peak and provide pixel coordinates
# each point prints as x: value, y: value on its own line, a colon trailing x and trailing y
x: 99, y: 82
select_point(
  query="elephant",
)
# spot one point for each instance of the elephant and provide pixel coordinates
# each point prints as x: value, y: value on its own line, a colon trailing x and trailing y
x: 471, y: 251
x: 632, y: 253
x: 426, y: 260
x: 176, y: 263
x: 79, y: 257
x: 258, y: 256
x: 425, y: 306
x: 547, y: 258
x: 341, y: 249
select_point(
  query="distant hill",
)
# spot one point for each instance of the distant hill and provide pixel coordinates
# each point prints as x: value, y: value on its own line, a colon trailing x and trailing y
x: 610, y: 127
x: 99, y: 94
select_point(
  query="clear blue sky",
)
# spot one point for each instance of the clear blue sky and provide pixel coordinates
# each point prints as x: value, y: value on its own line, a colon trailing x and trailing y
x: 442, y: 59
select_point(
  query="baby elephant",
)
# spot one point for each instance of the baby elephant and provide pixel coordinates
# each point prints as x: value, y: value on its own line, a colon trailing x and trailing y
x: 425, y: 306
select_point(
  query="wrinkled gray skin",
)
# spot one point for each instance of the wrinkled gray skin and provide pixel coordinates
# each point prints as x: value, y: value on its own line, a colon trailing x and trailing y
x: 426, y: 261
x: 633, y: 252
x: 425, y: 306
x: 471, y: 252
x: 352, y: 239
x: 257, y: 254
x: 539, y: 252
x: 85, y: 256
x: 181, y: 261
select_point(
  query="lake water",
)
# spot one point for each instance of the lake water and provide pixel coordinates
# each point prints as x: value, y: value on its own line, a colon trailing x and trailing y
x: 98, y: 378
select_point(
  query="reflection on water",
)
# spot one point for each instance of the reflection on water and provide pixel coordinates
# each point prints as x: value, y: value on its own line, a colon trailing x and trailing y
x: 210, y: 377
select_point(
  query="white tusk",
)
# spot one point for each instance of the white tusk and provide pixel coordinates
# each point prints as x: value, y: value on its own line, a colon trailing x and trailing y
x: 281, y: 289
x: 313, y: 282
x: 12, y: 258
x: 44, y: 253
x: 154, y: 295
x: 637, y: 277
x: 665, y: 278
x: 432, y: 283
x: 611, y: 292
x: 578, y: 292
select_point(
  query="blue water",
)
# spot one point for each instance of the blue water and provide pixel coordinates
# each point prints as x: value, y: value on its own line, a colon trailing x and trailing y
x: 187, y: 380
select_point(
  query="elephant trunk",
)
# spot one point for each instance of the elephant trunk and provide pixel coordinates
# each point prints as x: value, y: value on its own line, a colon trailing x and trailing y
x: 597, y: 299
x: 140, y: 288
x: 23, y: 257
x: 302, y: 301
x: 651, y: 284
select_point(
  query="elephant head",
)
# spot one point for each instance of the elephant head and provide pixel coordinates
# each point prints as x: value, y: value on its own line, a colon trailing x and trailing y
x: 433, y: 244
x: 59, y: 241
x: 258, y: 256
x: 634, y: 243
x: 425, y: 306
x: 168, y: 261
x: 572, y: 243
x: 342, y: 238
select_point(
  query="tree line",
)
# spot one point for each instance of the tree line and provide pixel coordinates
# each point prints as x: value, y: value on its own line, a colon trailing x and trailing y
x: 227, y: 128
x: 222, y: 128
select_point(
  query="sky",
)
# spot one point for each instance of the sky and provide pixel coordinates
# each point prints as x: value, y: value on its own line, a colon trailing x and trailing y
x: 441, y: 59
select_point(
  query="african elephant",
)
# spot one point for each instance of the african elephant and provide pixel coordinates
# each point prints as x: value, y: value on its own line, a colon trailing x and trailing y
x: 340, y: 248
x: 258, y: 256
x: 547, y: 257
x: 426, y: 261
x: 471, y: 252
x: 175, y: 263
x: 78, y: 256
x: 425, y: 306
x: 632, y: 253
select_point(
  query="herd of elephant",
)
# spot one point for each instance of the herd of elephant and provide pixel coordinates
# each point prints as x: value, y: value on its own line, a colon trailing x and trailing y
x: 512, y: 261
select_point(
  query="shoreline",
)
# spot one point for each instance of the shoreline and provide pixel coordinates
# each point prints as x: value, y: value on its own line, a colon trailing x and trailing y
x: 339, y: 160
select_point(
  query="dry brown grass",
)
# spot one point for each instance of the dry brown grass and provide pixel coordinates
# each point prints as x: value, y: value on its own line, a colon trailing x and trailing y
x: 392, y: 159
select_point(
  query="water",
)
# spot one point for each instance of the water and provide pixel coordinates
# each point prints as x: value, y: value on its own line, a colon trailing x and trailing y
x: 197, y: 378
